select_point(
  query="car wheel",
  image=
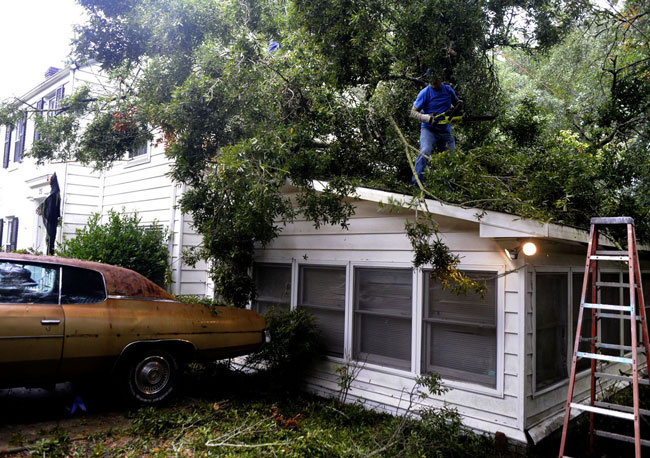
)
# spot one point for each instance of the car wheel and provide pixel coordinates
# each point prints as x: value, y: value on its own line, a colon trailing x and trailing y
x: 152, y: 377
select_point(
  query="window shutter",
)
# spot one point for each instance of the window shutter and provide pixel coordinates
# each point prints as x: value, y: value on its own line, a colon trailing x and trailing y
x: 39, y: 106
x: 2, y: 226
x: 13, y: 242
x: 5, y: 158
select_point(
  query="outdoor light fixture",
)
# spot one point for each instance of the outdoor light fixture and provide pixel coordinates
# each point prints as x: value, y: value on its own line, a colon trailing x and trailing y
x: 529, y: 249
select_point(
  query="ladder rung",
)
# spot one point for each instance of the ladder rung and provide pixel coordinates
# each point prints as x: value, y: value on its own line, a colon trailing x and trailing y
x: 611, y: 359
x: 611, y: 413
x: 612, y: 220
x: 623, y: 378
x: 599, y: 257
x: 620, y: 308
x: 619, y: 407
x: 620, y: 437
x: 612, y: 253
x: 618, y: 347
x: 612, y: 284
x: 616, y: 316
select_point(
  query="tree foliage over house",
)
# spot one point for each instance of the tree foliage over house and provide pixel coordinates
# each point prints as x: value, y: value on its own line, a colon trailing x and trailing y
x: 240, y: 121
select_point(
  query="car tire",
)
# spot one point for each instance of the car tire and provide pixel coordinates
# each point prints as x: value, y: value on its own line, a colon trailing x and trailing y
x: 152, y: 377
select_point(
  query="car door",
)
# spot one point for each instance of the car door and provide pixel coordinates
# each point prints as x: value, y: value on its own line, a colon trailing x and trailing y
x: 90, y: 339
x: 31, y: 320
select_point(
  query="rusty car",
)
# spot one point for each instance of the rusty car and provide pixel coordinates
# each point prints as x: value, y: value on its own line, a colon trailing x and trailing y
x: 63, y: 319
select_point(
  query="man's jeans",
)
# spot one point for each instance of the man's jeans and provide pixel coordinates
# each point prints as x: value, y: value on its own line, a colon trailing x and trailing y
x: 428, y: 139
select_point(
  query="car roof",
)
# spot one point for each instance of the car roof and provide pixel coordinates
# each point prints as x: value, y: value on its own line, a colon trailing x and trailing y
x: 119, y: 281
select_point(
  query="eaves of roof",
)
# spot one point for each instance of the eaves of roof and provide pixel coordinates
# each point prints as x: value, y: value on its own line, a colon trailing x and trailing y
x: 492, y: 224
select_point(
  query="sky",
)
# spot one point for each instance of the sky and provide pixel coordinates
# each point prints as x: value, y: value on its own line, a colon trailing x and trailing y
x: 35, y: 35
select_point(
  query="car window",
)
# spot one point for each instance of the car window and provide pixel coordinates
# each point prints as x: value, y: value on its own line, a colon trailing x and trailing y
x: 23, y: 283
x: 82, y: 286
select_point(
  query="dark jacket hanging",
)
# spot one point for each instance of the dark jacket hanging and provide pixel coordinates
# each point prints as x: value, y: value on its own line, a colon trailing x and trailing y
x: 52, y: 212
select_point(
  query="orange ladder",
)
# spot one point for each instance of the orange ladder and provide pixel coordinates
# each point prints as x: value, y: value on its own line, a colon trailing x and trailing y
x: 604, y: 311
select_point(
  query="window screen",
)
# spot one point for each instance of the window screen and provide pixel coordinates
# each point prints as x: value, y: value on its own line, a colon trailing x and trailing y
x: 551, y: 319
x: 577, y: 279
x: 273, y: 286
x: 139, y: 151
x: 610, y: 328
x: 459, y: 331
x: 322, y: 292
x: 82, y: 286
x: 382, y: 316
x: 645, y: 283
x: 22, y: 283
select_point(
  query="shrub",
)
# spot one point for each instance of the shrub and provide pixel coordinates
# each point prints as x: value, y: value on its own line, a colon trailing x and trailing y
x: 123, y: 242
x: 295, y: 343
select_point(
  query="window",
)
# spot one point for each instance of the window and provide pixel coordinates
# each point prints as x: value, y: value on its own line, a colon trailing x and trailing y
x: 82, y: 286
x: 7, y: 148
x: 2, y: 227
x: 551, y: 320
x: 610, y: 328
x: 554, y: 342
x: 39, y: 107
x: 12, y: 234
x: 21, y: 127
x: 51, y: 107
x: 273, y: 286
x: 60, y: 92
x: 576, y: 293
x: 322, y: 292
x: 139, y: 152
x: 22, y: 283
x: 382, y: 316
x: 459, y: 337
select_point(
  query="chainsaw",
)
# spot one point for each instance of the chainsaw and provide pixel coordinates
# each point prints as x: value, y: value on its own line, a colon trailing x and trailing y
x: 456, y: 116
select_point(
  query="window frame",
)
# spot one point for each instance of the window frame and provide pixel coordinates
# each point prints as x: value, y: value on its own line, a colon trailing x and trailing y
x: 569, y: 271
x: 62, y: 267
x: 568, y: 320
x: 43, y: 265
x: 145, y: 158
x: 11, y: 243
x: 459, y: 323
x: 284, y: 262
x: 353, y: 265
x: 498, y: 390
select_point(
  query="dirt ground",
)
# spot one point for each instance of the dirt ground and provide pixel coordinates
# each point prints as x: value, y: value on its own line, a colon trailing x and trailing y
x: 27, y: 415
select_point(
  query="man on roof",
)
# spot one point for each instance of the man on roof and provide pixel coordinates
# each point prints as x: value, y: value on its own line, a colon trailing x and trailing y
x: 431, y: 101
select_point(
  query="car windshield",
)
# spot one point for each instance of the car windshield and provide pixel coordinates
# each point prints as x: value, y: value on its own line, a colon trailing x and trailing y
x: 28, y: 283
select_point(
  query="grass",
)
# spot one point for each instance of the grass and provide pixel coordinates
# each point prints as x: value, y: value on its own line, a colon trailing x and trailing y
x: 225, y: 413
x: 578, y: 436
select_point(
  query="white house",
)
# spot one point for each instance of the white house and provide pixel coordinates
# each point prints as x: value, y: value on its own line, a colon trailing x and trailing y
x: 506, y: 357
x: 138, y: 183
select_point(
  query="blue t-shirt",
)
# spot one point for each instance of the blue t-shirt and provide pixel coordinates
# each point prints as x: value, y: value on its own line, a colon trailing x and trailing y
x: 430, y: 101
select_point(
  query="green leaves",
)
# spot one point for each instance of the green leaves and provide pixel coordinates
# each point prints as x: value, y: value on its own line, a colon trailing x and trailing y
x: 122, y: 241
x: 240, y: 122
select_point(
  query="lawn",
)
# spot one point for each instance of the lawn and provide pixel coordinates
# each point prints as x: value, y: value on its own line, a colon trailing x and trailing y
x: 222, y: 412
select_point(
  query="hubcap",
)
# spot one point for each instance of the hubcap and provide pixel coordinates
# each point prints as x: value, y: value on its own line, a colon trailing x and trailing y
x: 152, y: 375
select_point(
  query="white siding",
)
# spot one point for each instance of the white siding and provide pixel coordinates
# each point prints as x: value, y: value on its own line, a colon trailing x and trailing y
x: 377, y: 237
